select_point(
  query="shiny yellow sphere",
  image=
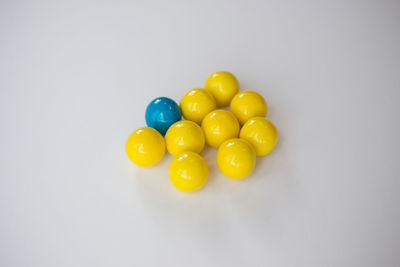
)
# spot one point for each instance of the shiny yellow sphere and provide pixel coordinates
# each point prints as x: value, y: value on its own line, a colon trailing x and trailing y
x: 184, y: 136
x: 188, y: 171
x: 218, y: 126
x: 236, y: 158
x: 196, y: 104
x: 223, y: 86
x: 145, y: 146
x: 248, y: 104
x: 261, y: 133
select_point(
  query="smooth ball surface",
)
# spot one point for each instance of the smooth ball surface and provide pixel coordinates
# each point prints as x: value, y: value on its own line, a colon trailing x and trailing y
x: 188, y: 171
x: 145, y: 146
x: 261, y: 133
x: 223, y: 86
x: 236, y: 158
x: 196, y: 104
x: 218, y: 126
x: 161, y: 113
x: 184, y: 136
x: 248, y: 104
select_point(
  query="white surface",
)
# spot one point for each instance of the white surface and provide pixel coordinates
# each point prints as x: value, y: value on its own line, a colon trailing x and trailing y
x: 75, y: 78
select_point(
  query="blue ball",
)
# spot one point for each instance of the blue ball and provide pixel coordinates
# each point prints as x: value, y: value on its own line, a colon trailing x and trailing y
x: 161, y: 113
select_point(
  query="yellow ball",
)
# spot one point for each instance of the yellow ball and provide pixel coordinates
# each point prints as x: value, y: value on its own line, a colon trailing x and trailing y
x: 261, y: 133
x: 145, y: 146
x: 188, y: 171
x: 196, y: 104
x: 220, y: 125
x: 184, y: 136
x: 248, y: 104
x: 223, y: 86
x: 236, y: 158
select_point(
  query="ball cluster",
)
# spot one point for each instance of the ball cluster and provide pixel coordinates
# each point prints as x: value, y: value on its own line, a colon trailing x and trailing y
x: 240, y: 134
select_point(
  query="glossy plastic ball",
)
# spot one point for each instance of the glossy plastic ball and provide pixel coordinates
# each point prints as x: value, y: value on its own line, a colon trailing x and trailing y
x: 184, y: 136
x: 161, y: 113
x: 188, y: 171
x: 223, y: 86
x: 196, y: 104
x: 218, y: 126
x: 248, y: 104
x: 236, y: 158
x: 261, y: 133
x: 145, y: 146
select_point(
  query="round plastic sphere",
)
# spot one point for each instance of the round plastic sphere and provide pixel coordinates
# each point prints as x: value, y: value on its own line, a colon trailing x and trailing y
x: 161, y: 113
x: 236, y: 158
x: 261, y: 133
x: 145, y: 146
x: 184, y: 136
x: 196, y: 104
x: 248, y: 104
x: 218, y: 126
x: 188, y: 171
x: 223, y: 86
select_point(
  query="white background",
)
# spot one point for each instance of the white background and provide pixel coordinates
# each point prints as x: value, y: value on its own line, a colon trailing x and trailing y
x: 75, y: 79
